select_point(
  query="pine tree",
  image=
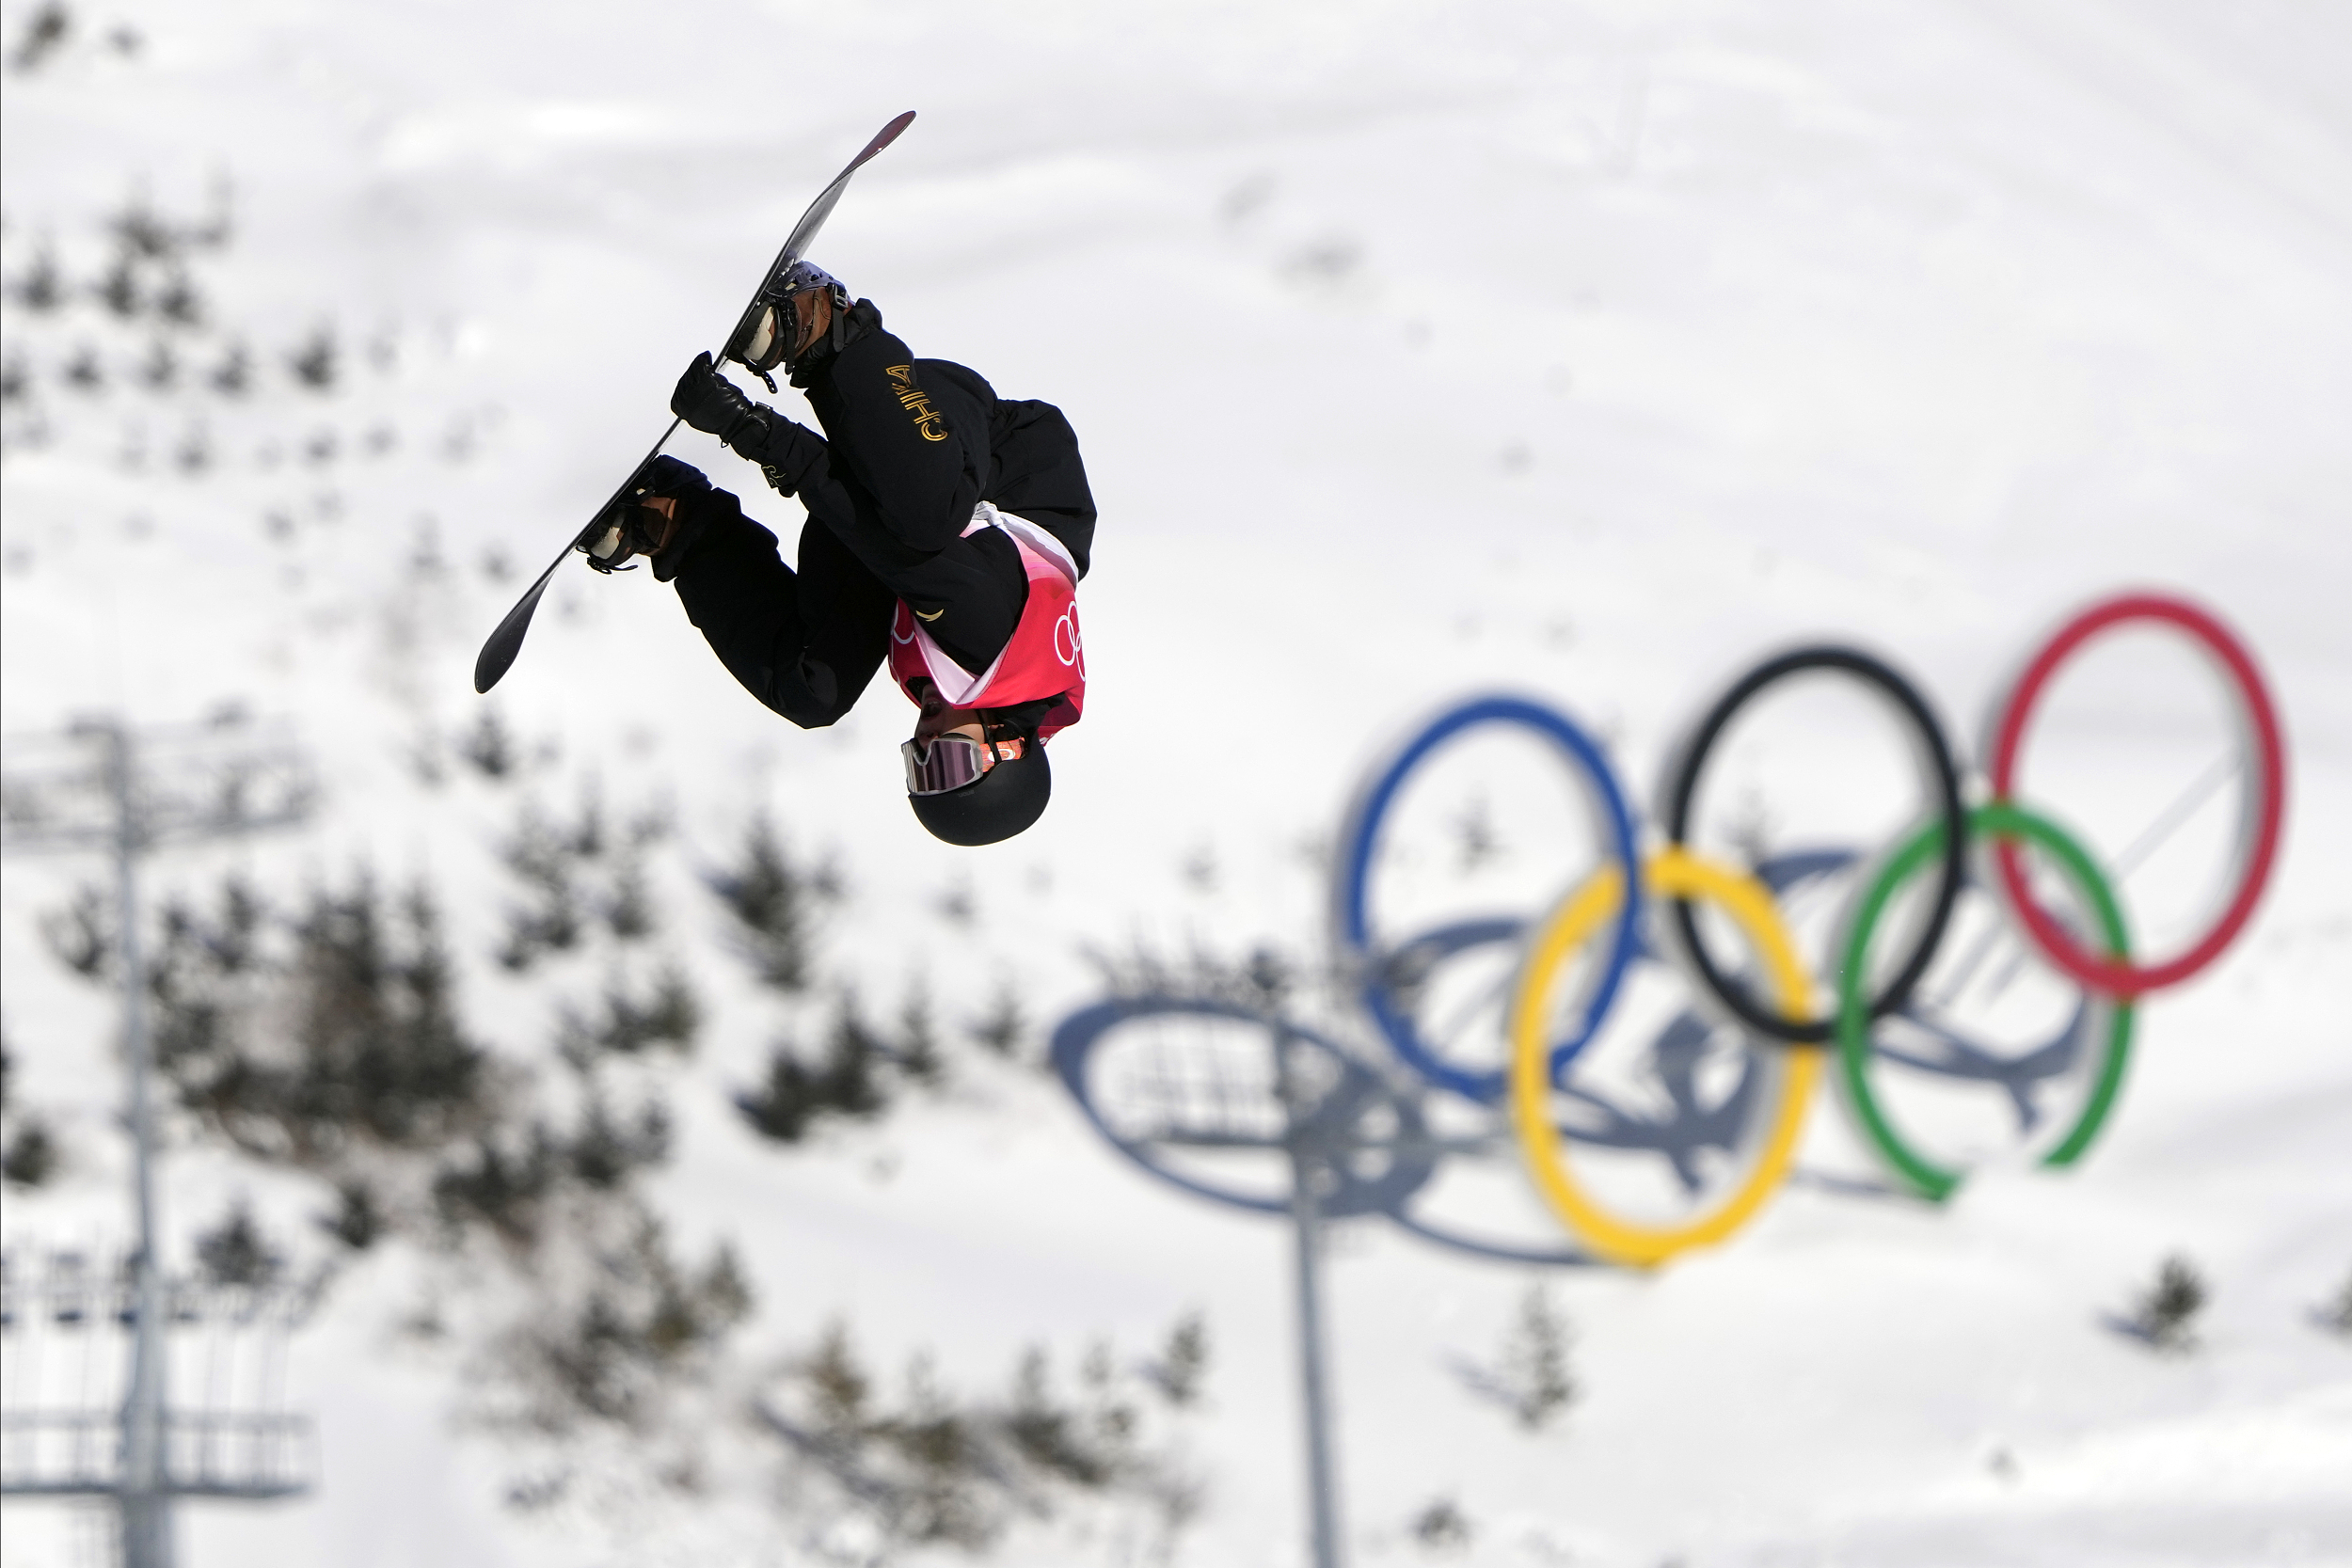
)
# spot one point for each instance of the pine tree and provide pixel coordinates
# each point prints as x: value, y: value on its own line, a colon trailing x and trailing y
x: 489, y: 746
x: 31, y: 1158
x: 1441, y: 1526
x: 1043, y: 1431
x: 768, y: 897
x: 542, y: 856
x: 795, y: 1094
x: 1183, y: 1364
x: 2337, y: 1315
x: 1004, y: 1026
x: 2167, y: 1309
x: 235, y: 1252
x: 838, y: 1386
x: 1534, y: 1367
x: 918, y: 1055
x: 358, y: 1220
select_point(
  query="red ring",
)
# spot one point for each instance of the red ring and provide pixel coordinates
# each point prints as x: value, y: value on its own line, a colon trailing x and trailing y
x: 2105, y: 974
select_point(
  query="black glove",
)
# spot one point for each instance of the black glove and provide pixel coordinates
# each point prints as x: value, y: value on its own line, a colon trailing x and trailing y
x: 715, y: 406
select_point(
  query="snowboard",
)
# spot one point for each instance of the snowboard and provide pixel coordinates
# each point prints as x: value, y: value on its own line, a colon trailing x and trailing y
x: 498, y: 653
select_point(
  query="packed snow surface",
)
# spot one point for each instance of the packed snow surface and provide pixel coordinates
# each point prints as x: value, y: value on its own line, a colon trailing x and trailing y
x: 1586, y: 350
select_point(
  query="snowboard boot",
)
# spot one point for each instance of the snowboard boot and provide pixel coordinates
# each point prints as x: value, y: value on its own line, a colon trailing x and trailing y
x: 634, y: 527
x: 658, y: 519
x: 804, y: 321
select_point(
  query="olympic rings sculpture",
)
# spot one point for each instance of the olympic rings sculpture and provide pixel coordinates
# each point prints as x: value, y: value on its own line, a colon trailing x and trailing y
x: 2091, y: 949
x: 1727, y: 1139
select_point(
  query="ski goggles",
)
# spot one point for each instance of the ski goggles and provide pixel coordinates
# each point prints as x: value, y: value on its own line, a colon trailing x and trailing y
x: 952, y: 761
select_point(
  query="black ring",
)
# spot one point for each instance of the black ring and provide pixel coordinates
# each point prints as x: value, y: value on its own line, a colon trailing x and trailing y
x: 1872, y: 672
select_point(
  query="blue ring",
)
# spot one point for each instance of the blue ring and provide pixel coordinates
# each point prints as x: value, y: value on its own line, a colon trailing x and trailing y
x: 1363, y: 830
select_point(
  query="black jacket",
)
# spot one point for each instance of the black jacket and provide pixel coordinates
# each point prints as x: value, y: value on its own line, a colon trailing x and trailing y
x: 909, y: 447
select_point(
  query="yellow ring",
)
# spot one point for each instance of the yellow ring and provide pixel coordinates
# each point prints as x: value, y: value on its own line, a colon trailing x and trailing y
x: 1670, y: 874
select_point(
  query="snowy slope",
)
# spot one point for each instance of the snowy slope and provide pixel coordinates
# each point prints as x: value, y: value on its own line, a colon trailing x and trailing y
x: 1415, y: 350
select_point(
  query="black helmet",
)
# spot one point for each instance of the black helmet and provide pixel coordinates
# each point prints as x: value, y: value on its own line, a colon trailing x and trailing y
x: 999, y: 803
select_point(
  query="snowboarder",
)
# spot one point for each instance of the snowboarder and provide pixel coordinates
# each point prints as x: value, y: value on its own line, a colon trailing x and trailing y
x: 947, y: 530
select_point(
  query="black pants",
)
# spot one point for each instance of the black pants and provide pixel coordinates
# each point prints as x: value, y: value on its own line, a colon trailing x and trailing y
x: 889, y: 489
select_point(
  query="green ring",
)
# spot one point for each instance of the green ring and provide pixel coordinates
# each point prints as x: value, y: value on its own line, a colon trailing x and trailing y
x: 1999, y: 820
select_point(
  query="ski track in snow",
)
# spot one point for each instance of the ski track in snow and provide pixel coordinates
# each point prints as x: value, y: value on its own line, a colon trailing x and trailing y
x: 1582, y: 349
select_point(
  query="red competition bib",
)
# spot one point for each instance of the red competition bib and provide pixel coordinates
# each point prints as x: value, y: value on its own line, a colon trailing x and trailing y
x: 1044, y: 657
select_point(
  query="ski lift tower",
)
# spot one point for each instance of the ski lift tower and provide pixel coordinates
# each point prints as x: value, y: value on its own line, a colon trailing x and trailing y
x: 102, y: 786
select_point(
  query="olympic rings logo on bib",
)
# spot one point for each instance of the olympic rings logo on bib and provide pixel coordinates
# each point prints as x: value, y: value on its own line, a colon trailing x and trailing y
x: 1067, y: 628
x: 1732, y: 1073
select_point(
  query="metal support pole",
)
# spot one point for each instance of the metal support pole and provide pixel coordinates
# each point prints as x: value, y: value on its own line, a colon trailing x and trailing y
x: 152, y: 787
x: 1307, y: 1175
x: 146, y: 1499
